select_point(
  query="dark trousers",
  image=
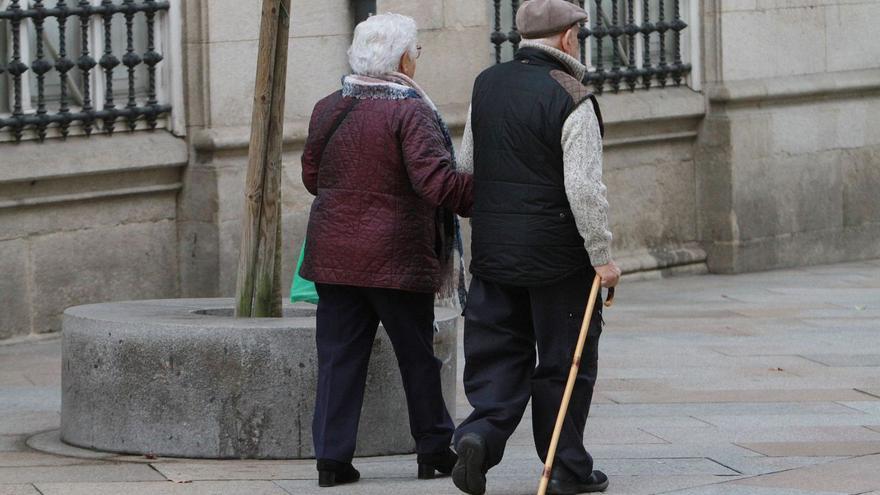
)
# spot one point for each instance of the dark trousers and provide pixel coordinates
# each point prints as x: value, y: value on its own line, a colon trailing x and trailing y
x: 348, y: 318
x: 503, y: 327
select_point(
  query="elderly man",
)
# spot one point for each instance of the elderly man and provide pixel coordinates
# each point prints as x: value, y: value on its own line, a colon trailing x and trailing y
x: 540, y: 234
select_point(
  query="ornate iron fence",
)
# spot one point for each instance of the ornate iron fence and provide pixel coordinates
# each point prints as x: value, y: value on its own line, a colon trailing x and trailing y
x: 84, y: 30
x: 644, y: 37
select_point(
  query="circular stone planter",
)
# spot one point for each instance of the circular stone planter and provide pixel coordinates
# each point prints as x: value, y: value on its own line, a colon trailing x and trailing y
x: 183, y: 378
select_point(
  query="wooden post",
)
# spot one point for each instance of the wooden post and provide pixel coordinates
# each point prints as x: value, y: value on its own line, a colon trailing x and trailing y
x: 258, y: 289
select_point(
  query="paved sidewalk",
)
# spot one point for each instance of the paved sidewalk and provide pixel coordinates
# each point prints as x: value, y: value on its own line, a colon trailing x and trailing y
x: 759, y: 384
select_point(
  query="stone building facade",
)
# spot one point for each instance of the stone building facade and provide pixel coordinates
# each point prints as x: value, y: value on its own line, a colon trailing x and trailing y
x: 766, y: 156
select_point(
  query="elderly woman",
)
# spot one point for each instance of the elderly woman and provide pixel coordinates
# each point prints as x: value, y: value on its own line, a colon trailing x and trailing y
x: 380, y: 242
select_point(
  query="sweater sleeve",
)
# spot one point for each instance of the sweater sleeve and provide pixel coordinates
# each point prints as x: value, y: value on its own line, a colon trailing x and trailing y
x: 466, y: 152
x: 582, y: 157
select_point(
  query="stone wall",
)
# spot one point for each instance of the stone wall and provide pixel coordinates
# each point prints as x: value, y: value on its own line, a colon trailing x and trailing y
x: 86, y: 220
x: 790, y: 151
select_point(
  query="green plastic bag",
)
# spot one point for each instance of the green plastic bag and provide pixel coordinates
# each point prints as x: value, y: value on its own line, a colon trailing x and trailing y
x: 302, y: 290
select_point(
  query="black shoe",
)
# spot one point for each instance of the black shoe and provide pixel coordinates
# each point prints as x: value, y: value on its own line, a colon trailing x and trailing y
x: 332, y: 473
x: 469, y: 473
x: 442, y: 461
x: 597, y: 482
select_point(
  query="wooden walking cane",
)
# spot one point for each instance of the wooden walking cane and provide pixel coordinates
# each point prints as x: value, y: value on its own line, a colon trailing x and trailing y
x: 572, y: 375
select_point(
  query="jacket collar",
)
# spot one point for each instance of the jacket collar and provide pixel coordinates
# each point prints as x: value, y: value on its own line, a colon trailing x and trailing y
x: 547, y: 55
x: 371, y: 88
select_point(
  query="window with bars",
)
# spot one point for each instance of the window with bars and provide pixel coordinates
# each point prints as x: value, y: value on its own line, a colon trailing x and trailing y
x: 363, y: 9
x: 627, y: 44
x: 82, y: 66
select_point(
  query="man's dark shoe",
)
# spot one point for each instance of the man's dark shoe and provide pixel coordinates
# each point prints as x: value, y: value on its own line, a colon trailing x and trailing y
x: 597, y: 482
x: 469, y: 473
x: 442, y: 461
x: 332, y: 473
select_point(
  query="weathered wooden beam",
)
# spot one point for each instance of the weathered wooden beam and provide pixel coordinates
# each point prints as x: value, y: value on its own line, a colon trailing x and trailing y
x: 258, y: 289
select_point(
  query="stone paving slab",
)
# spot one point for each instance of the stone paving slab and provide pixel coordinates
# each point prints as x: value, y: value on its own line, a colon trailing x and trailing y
x: 690, y: 396
x: 870, y: 407
x: 630, y: 368
x: 44, y: 378
x: 50, y: 442
x: 619, y: 466
x: 18, y: 490
x: 10, y: 443
x: 846, y: 359
x: 667, y: 451
x: 752, y: 465
x: 34, y: 459
x: 593, y: 436
x: 15, y: 423
x: 767, y: 421
x: 832, y: 448
x: 731, y: 489
x: 650, y: 485
x: 733, y: 408
x: 665, y: 467
x: 616, y: 424
x: 772, y: 372
x: 857, y: 327
x: 497, y: 485
x: 400, y: 473
x: 760, y: 434
x: 236, y: 470
x: 872, y: 392
x: 442, y: 486
x: 795, y: 347
x: 165, y: 488
x: 803, y: 311
x: 855, y: 475
x: 30, y: 398
x: 14, y: 379
x: 761, y: 383
x: 29, y: 364
x: 83, y: 473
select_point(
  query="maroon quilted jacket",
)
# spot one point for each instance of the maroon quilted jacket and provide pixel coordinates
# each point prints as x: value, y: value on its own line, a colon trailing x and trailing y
x: 382, y: 176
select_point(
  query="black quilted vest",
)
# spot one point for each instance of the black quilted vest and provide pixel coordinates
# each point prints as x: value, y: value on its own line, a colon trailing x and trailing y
x: 523, y: 231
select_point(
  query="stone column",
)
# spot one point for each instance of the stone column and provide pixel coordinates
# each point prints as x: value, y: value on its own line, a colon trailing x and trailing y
x: 789, y: 151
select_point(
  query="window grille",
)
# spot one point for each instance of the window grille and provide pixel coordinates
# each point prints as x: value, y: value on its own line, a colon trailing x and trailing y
x: 81, y: 66
x: 629, y: 43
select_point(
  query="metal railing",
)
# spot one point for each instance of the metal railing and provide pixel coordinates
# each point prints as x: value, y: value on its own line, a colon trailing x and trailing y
x: 88, y: 26
x: 645, y: 38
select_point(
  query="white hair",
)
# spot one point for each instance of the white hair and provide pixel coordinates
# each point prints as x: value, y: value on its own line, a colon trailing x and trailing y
x: 380, y: 41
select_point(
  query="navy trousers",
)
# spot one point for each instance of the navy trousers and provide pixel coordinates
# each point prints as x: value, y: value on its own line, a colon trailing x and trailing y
x: 348, y: 318
x: 507, y: 329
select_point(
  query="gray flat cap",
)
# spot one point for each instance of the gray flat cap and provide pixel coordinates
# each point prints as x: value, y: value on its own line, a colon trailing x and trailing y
x: 542, y: 18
